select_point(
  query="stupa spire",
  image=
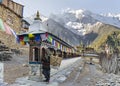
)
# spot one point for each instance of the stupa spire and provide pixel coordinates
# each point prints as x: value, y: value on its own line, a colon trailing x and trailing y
x: 38, y: 16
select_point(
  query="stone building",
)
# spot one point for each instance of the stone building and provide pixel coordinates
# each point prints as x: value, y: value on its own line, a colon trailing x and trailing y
x: 11, y: 13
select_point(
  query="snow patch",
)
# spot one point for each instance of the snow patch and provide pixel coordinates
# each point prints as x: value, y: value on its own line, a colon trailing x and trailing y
x: 61, y: 78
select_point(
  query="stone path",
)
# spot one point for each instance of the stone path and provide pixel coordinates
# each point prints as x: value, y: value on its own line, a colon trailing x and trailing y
x: 87, y: 77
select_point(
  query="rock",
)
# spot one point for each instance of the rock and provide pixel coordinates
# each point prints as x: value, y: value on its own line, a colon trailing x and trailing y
x: 61, y: 78
x: 67, y: 73
x: 109, y: 80
x: 25, y: 65
x: 80, y: 69
x: 5, y: 56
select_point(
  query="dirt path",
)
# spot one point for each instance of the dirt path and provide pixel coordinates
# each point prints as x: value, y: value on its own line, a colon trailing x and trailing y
x: 87, y: 77
x: 14, y: 69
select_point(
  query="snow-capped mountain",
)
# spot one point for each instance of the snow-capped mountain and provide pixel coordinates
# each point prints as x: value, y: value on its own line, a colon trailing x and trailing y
x: 81, y: 21
x: 112, y: 15
x: 74, y: 20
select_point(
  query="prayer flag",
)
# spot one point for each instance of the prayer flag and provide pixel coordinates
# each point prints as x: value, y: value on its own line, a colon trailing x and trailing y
x: 15, y: 35
x: 37, y: 38
x: 43, y: 36
x: 2, y: 25
x: 7, y: 29
x: 26, y: 38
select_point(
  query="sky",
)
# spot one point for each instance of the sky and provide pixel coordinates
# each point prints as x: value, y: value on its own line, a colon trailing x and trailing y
x: 46, y: 7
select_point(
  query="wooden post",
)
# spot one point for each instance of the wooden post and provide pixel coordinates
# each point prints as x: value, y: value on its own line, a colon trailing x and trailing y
x: 40, y: 64
x: 33, y: 54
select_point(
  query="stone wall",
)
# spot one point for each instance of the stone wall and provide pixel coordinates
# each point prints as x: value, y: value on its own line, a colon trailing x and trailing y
x: 14, y: 21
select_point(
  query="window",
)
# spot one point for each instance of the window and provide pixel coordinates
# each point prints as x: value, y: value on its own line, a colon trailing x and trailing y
x: 25, y: 25
x: 36, y: 54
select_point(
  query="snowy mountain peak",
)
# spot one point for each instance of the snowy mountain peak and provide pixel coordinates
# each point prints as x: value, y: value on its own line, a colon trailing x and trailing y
x: 78, y: 21
x: 77, y: 13
x: 73, y: 11
x: 108, y: 15
x: 117, y: 16
x: 80, y: 11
